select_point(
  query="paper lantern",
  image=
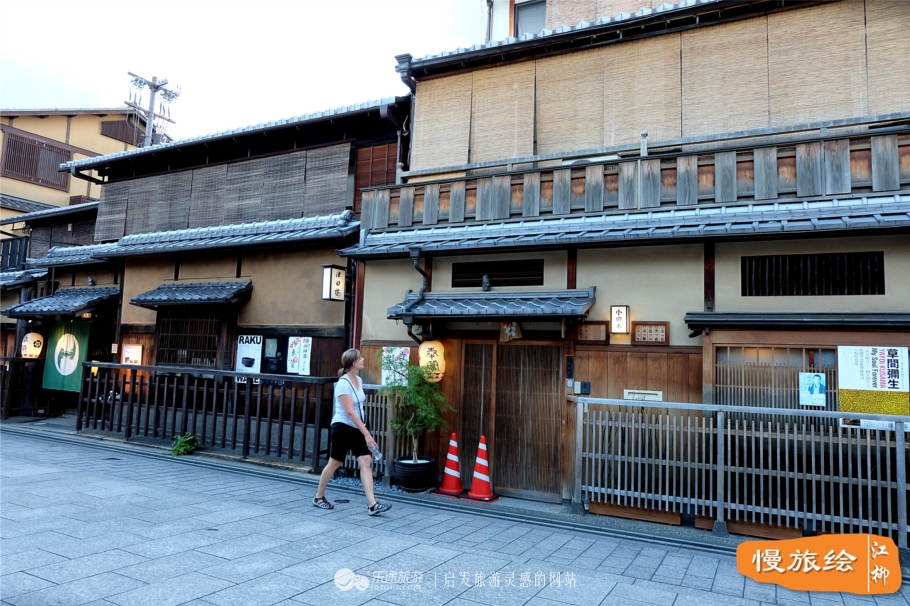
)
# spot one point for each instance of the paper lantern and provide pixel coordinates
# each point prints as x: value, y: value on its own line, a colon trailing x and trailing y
x: 431, y: 356
x: 32, y: 345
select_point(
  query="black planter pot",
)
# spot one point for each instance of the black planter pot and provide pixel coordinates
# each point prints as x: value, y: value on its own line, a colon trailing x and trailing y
x: 415, y: 476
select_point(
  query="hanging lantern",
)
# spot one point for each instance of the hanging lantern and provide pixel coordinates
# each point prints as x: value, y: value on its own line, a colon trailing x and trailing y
x: 431, y: 356
x: 32, y: 345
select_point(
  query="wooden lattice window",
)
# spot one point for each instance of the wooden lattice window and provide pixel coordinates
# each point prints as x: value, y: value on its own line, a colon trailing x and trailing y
x: 525, y: 272
x: 375, y: 166
x: 854, y: 273
x: 122, y: 130
x: 35, y: 161
x: 188, y: 339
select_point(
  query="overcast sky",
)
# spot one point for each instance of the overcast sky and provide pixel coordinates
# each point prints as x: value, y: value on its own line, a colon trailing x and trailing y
x: 237, y: 62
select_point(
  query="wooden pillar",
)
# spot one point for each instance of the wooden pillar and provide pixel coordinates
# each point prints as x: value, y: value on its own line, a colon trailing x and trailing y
x: 357, y: 313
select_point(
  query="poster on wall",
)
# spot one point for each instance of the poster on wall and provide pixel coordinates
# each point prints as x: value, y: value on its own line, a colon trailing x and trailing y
x: 400, y: 354
x: 812, y: 389
x: 873, y: 380
x: 299, y: 352
x: 67, y: 349
x: 249, y: 354
x: 131, y: 354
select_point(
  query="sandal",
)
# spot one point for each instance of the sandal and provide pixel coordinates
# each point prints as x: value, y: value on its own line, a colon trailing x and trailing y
x: 378, y: 508
x: 322, y: 503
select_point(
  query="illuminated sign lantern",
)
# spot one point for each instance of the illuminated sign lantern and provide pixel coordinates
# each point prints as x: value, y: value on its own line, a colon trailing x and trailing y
x: 431, y: 356
x: 333, y: 278
x: 619, y: 319
x: 32, y: 345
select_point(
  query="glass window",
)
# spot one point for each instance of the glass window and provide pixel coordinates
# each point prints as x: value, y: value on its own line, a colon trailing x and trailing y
x: 530, y: 17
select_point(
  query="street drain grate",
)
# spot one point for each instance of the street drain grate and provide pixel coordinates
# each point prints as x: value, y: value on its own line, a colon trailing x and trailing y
x: 111, y: 459
x: 342, y: 500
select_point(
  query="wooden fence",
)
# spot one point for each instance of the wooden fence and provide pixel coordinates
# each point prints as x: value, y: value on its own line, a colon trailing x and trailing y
x: 734, y: 465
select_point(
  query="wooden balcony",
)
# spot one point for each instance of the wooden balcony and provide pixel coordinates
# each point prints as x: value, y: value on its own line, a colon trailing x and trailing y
x: 819, y: 167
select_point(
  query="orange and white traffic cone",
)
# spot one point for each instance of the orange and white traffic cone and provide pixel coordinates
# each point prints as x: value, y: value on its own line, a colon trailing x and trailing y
x: 480, y: 485
x: 451, y: 479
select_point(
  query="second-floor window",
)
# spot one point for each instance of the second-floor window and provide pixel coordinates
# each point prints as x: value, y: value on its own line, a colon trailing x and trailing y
x: 35, y: 161
x: 820, y: 274
x: 530, y: 17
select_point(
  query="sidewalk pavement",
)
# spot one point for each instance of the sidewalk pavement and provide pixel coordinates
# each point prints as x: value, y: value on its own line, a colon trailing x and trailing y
x: 89, y: 524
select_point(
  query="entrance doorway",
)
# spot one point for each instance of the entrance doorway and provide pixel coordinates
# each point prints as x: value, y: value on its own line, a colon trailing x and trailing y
x: 512, y: 394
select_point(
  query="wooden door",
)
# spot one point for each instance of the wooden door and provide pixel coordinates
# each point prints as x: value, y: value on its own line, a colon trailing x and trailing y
x: 477, y: 404
x: 528, y: 422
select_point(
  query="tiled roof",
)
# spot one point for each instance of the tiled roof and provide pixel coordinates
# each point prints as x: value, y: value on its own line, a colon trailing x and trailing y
x: 48, y: 212
x: 495, y: 305
x: 330, y: 227
x: 195, y: 293
x: 22, y: 205
x: 66, y: 110
x: 581, y: 26
x: 71, y: 255
x: 10, y: 279
x: 296, y: 120
x: 665, y: 225
x: 64, y: 302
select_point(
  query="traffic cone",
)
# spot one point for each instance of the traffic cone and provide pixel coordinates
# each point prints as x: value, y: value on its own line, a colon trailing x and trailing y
x: 451, y: 479
x: 480, y: 485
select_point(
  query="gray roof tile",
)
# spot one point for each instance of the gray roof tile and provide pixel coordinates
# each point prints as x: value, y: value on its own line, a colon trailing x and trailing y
x: 22, y: 205
x: 64, y: 302
x: 10, y: 279
x: 48, y: 212
x: 71, y: 255
x: 495, y: 305
x: 194, y: 293
x: 308, y: 229
x: 670, y: 224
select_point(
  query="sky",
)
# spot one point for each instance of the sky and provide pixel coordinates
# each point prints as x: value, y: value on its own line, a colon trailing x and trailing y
x: 237, y: 62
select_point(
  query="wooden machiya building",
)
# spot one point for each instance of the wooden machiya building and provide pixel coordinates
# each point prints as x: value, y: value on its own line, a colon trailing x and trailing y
x: 222, y: 240
x: 686, y: 203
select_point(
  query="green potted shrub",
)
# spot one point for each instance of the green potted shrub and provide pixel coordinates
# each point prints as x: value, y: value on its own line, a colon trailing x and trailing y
x: 419, y: 405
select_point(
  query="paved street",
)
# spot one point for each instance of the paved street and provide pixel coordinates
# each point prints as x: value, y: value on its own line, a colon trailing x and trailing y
x: 88, y: 525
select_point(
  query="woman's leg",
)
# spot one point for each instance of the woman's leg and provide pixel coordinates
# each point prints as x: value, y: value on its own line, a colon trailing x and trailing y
x: 327, y: 472
x: 366, y: 476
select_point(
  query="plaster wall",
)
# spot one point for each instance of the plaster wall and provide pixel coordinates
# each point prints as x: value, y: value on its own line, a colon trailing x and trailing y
x: 554, y: 271
x: 143, y: 274
x: 897, y: 276
x: 658, y: 283
x: 207, y: 267
x: 8, y: 298
x: 385, y: 284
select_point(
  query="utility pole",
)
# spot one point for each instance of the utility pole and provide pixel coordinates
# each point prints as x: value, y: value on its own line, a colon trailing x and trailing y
x: 151, y: 115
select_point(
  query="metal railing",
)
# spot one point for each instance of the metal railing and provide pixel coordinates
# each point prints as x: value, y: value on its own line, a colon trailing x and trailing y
x: 271, y: 415
x: 702, y: 460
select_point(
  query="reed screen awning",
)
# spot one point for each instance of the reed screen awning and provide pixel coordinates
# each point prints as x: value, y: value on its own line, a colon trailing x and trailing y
x: 195, y: 293
x: 69, y: 302
x: 489, y: 306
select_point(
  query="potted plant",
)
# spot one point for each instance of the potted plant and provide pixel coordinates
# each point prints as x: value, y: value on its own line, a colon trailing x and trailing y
x: 419, y: 405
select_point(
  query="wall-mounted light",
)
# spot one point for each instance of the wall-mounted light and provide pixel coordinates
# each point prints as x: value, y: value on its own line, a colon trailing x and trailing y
x: 432, y: 357
x: 333, y: 279
x: 619, y: 319
x: 32, y: 345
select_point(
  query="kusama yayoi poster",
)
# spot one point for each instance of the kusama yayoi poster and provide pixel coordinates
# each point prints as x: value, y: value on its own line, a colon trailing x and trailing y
x: 873, y: 380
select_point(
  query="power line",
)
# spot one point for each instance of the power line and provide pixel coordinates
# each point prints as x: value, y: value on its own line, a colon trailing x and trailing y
x: 163, y: 113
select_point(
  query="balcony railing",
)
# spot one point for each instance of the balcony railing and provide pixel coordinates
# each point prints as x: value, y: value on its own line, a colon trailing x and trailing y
x: 819, y: 167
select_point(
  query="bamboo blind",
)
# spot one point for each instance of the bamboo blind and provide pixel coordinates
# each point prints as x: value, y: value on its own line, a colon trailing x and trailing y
x: 207, y: 196
x: 284, y: 187
x: 437, y: 176
x: 502, y: 112
x: 143, y: 200
x: 888, y: 46
x: 111, y: 212
x: 570, y: 12
x: 326, y: 180
x: 725, y: 78
x: 173, y: 207
x: 611, y: 8
x: 817, y: 63
x: 442, y: 122
x: 243, y: 191
x: 570, y: 102
x: 642, y: 90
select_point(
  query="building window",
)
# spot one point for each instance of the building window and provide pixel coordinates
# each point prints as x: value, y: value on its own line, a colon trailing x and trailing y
x: 859, y: 273
x: 188, y: 339
x: 122, y: 130
x: 34, y: 161
x: 526, y: 272
x: 375, y: 167
x: 530, y: 17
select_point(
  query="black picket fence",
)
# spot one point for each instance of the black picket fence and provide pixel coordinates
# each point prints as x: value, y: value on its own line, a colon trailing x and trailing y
x: 262, y: 414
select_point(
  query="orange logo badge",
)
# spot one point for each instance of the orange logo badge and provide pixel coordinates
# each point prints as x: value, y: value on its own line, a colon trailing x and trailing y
x: 851, y: 563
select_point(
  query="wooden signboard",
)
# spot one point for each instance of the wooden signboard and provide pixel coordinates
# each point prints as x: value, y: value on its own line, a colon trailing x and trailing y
x: 650, y: 333
x: 596, y: 332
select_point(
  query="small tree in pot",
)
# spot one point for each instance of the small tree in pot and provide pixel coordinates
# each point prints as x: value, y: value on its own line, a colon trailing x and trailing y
x: 419, y: 405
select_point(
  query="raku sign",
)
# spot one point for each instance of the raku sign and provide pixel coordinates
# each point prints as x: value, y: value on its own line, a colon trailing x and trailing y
x: 67, y: 349
x: 249, y: 354
x: 873, y: 380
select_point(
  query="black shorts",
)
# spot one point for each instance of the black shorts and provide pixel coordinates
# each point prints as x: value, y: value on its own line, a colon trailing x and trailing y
x: 345, y: 438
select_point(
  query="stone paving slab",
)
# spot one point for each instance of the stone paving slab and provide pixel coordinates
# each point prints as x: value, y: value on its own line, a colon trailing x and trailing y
x: 80, y: 526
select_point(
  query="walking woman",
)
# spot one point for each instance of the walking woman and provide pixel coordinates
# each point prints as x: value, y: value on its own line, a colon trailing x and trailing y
x: 349, y: 432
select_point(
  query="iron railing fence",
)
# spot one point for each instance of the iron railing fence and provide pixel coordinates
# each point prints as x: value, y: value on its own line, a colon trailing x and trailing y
x: 708, y: 461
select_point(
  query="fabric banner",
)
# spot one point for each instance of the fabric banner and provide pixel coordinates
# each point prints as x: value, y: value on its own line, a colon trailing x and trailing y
x: 873, y: 380
x: 67, y: 350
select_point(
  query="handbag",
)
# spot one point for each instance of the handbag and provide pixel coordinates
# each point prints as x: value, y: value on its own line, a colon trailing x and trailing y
x: 359, y: 404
